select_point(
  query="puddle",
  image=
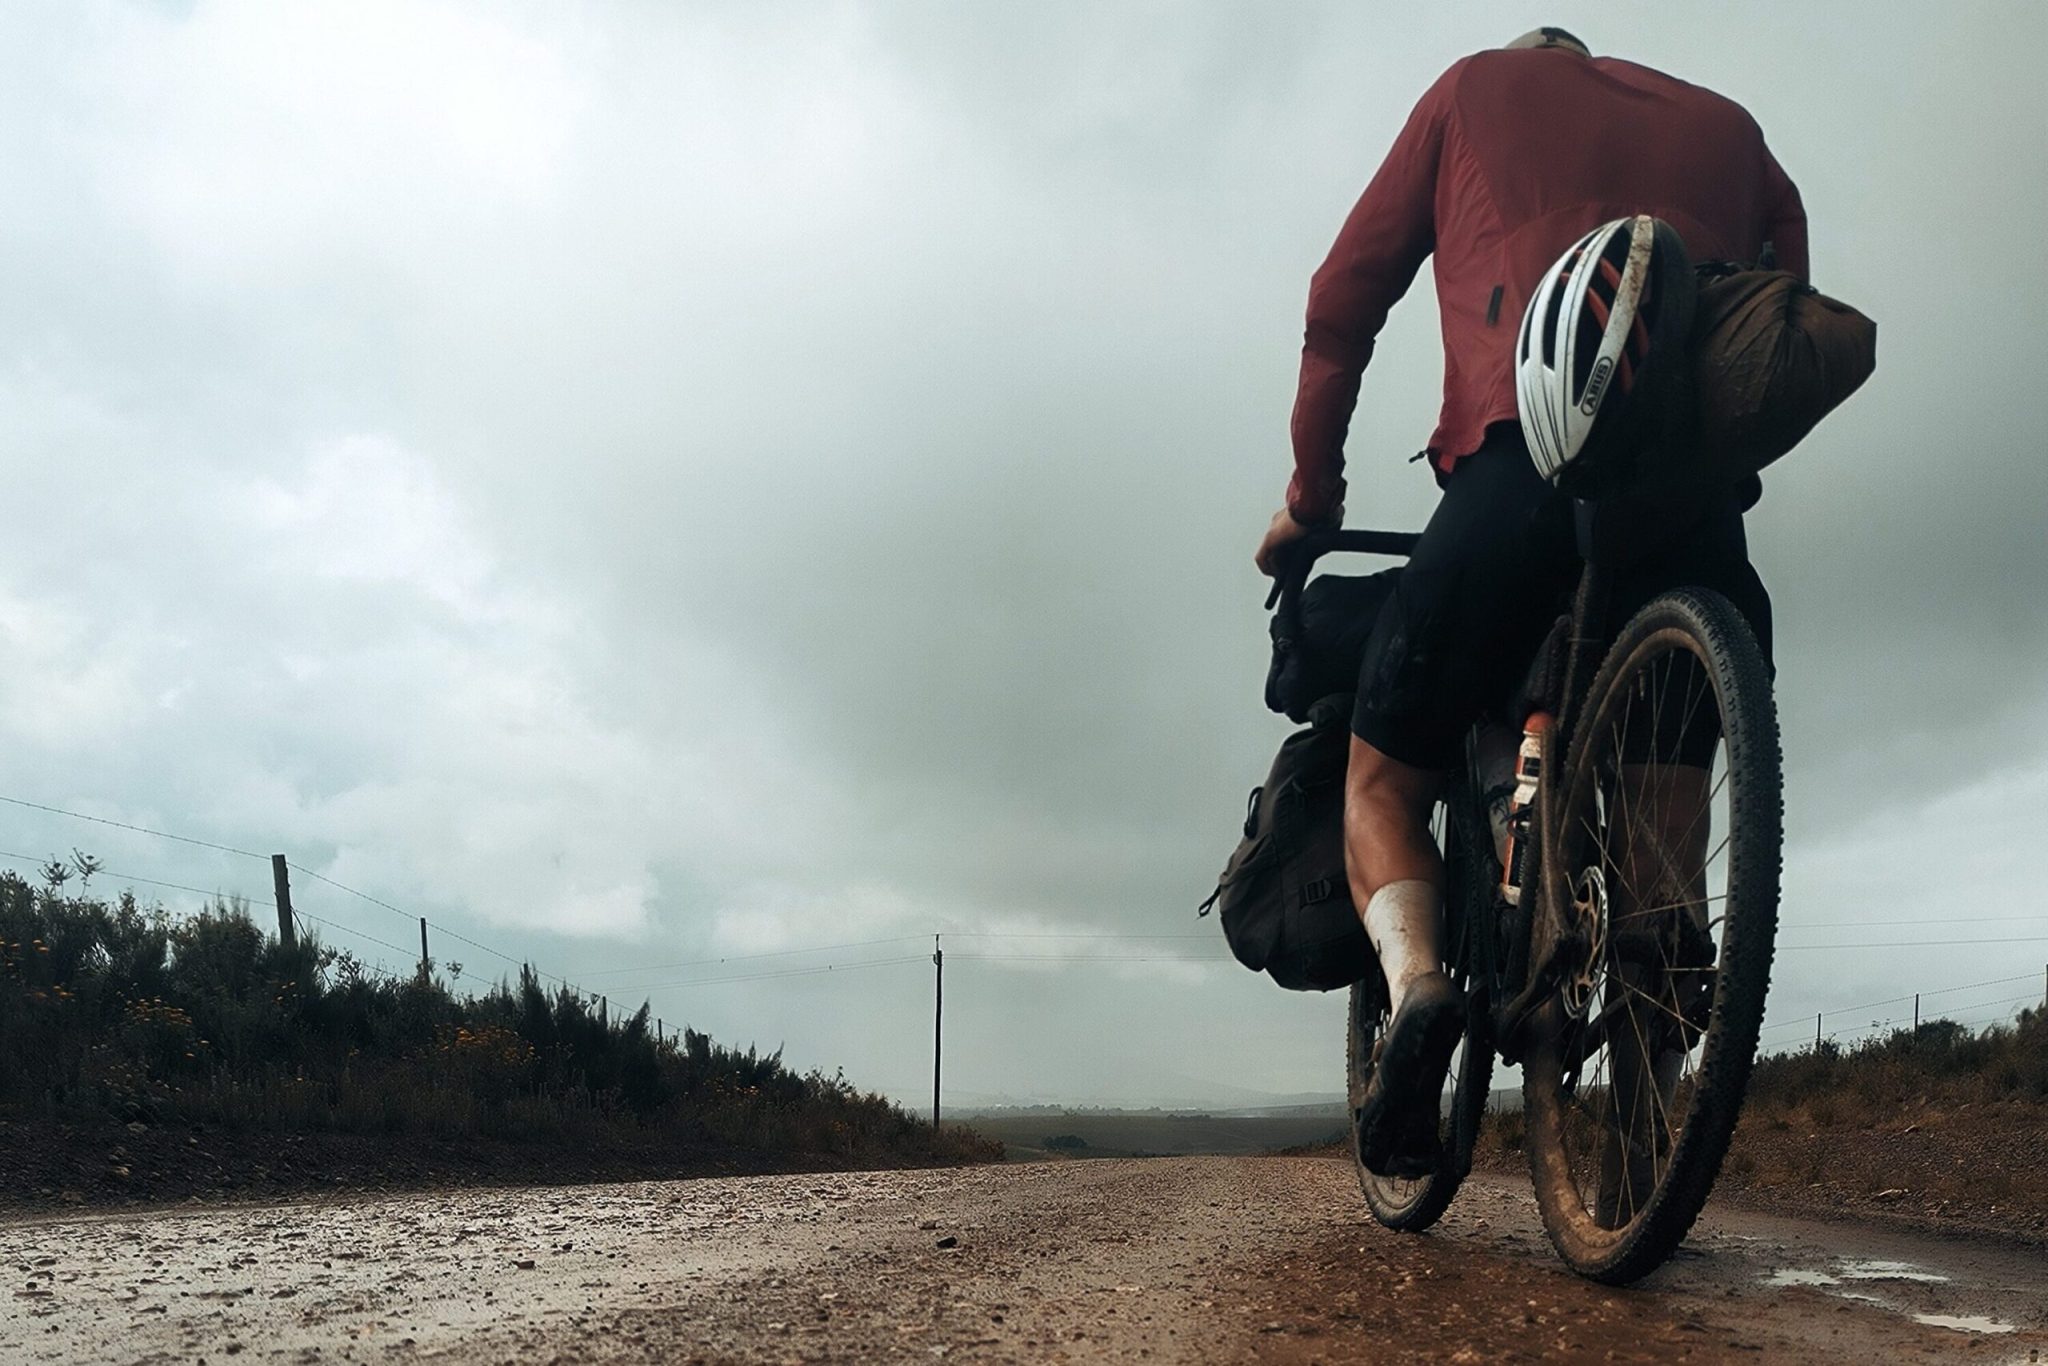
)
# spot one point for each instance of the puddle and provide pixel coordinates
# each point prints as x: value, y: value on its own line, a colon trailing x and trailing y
x: 1853, y: 1270
x: 1967, y: 1323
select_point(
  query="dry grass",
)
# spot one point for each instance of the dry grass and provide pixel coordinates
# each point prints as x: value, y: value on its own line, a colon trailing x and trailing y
x: 1946, y: 1122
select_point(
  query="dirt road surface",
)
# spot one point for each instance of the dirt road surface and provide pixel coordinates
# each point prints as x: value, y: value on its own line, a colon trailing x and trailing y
x: 1201, y: 1259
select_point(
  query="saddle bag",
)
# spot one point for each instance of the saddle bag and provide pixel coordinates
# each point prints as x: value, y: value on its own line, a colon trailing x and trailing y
x: 1283, y: 898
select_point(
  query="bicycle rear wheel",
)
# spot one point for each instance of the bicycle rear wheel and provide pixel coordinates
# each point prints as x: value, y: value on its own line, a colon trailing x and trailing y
x: 1412, y: 1204
x: 1662, y: 862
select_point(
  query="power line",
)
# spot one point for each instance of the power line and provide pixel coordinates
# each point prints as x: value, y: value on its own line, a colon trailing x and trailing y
x: 1066, y: 934
x: 350, y: 929
x: 150, y: 881
x: 499, y: 953
x: 303, y: 915
x: 1918, y: 920
x: 124, y: 825
x: 786, y: 972
x: 1087, y: 958
x: 374, y: 901
x: 437, y: 928
x: 1894, y: 1000
x: 747, y: 957
x: 2004, y: 1007
x: 1915, y: 943
x: 893, y: 939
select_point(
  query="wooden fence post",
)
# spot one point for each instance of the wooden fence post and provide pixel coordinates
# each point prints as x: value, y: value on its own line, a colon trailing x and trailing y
x: 281, y: 879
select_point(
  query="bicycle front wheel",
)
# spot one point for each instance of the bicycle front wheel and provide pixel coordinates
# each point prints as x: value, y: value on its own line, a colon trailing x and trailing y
x: 1661, y: 864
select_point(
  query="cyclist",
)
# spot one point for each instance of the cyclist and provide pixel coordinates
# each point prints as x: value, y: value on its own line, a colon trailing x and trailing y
x: 1510, y: 157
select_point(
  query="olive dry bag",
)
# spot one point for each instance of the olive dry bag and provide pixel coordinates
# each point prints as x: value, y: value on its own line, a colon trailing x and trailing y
x: 1771, y: 358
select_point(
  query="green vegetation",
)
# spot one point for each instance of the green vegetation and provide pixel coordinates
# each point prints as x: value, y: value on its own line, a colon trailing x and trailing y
x: 1940, y: 1062
x: 118, y: 1010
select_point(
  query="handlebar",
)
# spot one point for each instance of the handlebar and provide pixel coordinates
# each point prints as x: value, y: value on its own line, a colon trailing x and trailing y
x: 1301, y: 556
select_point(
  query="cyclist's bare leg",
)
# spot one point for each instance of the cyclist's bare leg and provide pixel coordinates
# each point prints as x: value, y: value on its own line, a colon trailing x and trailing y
x: 1397, y: 880
x: 1395, y: 869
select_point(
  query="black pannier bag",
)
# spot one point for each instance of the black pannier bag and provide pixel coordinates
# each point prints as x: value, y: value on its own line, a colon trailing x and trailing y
x: 1283, y: 897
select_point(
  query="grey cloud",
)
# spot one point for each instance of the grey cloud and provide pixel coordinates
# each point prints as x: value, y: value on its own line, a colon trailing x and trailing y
x: 867, y: 420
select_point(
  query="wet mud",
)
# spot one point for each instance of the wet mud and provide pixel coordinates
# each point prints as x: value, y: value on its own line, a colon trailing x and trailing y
x: 1203, y: 1259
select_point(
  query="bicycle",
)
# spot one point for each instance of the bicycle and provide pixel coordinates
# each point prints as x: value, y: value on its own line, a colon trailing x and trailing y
x: 1625, y: 967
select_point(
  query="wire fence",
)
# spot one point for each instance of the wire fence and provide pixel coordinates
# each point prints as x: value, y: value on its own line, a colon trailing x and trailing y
x: 1105, y: 947
x: 1909, y: 1009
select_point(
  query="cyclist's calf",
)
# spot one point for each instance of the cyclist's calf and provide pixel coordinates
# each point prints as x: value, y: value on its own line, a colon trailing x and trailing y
x: 1394, y: 867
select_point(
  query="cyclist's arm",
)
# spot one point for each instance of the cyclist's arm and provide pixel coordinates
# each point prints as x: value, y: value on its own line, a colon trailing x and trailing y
x: 1785, y: 219
x: 1389, y: 234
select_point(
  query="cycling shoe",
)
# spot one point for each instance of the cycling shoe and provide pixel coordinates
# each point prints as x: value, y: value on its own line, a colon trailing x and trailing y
x: 1398, y: 1121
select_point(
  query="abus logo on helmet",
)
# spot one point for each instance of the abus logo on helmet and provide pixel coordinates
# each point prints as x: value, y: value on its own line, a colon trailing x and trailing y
x: 1596, y: 386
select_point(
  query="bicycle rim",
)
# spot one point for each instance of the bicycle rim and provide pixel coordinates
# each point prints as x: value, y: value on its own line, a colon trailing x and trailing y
x: 1664, y: 859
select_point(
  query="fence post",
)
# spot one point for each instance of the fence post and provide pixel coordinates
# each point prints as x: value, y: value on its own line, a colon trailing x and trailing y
x: 281, y: 879
x: 938, y: 1020
x: 425, y: 961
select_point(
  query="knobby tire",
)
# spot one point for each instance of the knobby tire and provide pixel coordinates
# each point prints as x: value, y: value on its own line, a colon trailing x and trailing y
x: 1708, y: 626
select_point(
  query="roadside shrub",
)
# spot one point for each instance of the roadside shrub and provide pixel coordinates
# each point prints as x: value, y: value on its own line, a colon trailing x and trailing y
x: 1943, y: 1062
x: 117, y: 1010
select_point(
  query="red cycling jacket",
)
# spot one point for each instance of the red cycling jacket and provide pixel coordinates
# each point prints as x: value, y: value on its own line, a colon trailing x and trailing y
x: 1510, y: 158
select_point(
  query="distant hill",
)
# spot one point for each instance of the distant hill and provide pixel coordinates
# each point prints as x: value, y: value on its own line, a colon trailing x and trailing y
x: 1153, y: 1133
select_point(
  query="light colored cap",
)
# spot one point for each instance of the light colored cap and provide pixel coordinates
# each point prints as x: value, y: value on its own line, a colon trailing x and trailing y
x: 1548, y: 37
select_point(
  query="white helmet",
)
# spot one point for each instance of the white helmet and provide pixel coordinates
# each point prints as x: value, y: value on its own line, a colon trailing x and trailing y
x: 1599, y: 348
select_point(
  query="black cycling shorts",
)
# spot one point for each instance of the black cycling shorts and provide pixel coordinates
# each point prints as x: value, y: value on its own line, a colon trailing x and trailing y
x: 1495, y: 567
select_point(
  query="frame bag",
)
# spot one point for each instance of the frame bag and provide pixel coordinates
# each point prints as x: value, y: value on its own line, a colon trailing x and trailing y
x: 1283, y: 897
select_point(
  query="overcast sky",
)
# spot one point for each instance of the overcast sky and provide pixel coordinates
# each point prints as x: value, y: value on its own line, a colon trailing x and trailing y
x: 642, y: 483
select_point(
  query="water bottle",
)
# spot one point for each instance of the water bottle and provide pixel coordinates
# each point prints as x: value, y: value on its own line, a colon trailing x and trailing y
x: 1494, y: 761
x: 1528, y: 769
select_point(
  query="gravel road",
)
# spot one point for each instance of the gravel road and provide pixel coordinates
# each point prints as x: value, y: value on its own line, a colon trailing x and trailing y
x: 1200, y: 1259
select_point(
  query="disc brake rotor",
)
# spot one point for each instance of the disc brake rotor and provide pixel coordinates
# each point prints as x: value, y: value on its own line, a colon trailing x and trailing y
x: 1589, y: 907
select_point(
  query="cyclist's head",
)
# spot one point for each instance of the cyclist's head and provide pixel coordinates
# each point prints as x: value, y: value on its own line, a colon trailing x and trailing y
x: 1548, y: 37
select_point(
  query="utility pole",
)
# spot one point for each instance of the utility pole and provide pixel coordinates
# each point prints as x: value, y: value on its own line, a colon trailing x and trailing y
x: 938, y: 1020
x: 425, y: 961
x: 281, y: 879
x: 1816, y: 1033
x: 1916, y: 1014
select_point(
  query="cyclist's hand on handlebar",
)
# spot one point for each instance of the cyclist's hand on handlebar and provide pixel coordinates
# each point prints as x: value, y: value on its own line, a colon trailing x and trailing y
x: 1283, y: 532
